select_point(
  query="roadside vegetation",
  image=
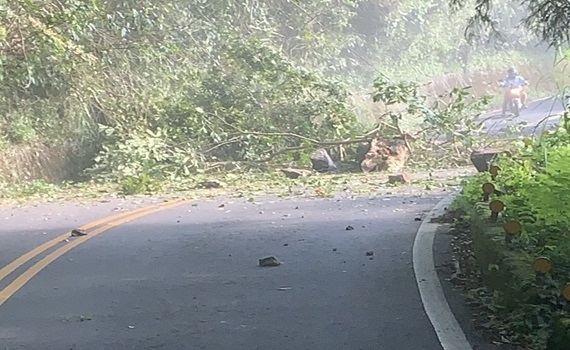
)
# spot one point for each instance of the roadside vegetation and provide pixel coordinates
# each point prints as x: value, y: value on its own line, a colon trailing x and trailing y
x: 515, y: 265
x: 533, y: 185
x: 140, y: 94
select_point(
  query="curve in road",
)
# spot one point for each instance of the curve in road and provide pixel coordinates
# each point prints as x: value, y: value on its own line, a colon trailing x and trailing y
x: 541, y: 115
x: 187, y: 278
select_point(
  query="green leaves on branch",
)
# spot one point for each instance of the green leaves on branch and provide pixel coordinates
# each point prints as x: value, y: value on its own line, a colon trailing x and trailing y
x: 251, y: 103
x: 444, y: 127
x: 143, y: 153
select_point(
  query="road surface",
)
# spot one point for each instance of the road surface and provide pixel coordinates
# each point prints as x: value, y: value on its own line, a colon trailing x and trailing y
x: 541, y: 115
x: 188, y: 277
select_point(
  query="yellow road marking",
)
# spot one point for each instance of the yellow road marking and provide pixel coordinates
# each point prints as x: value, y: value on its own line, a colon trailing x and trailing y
x: 8, y: 269
x: 26, y: 276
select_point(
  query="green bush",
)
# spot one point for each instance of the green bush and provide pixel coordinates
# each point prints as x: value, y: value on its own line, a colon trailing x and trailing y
x: 535, y: 186
x: 142, y: 154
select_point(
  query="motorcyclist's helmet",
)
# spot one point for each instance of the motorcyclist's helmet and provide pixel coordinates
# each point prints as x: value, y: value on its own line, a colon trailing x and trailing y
x: 512, y: 72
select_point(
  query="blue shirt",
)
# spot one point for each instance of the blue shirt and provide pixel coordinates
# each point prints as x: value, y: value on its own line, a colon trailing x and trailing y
x: 514, y: 82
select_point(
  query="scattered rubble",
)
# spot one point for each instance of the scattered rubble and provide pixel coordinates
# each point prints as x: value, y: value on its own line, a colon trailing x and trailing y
x: 270, y: 261
x: 322, y: 161
x: 483, y: 158
x: 385, y: 155
x: 78, y: 232
x: 295, y: 173
x: 402, y: 178
x: 209, y: 184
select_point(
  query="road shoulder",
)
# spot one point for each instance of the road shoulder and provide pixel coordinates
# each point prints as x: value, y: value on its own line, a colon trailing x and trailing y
x: 444, y: 323
x: 445, y: 305
x: 443, y: 256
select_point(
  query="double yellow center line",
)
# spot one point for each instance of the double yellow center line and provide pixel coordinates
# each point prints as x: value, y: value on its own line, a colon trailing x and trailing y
x: 105, y: 223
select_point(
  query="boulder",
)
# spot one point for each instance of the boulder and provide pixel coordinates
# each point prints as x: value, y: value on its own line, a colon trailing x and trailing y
x: 269, y: 261
x: 361, y: 151
x: 483, y: 158
x: 385, y: 155
x: 322, y: 161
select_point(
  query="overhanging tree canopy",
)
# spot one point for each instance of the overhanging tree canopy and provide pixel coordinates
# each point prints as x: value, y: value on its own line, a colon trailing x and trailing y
x: 550, y: 19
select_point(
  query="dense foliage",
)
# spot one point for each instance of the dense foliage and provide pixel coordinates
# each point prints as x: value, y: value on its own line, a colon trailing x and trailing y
x: 535, y: 187
x: 173, y: 87
x: 536, y: 191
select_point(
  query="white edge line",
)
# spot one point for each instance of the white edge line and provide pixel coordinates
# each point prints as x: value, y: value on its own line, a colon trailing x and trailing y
x: 448, y: 330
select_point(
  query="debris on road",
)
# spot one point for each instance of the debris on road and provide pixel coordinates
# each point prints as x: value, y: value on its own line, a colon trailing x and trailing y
x: 349, y: 228
x: 418, y: 219
x: 370, y: 253
x: 482, y: 158
x: 334, y: 249
x: 295, y: 173
x: 322, y: 161
x: 85, y: 318
x: 78, y: 232
x: 131, y: 327
x: 282, y: 289
x: 270, y: 261
x: 403, y: 178
x: 209, y: 184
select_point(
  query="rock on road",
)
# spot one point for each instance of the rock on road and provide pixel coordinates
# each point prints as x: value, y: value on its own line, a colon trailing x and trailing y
x: 188, y: 277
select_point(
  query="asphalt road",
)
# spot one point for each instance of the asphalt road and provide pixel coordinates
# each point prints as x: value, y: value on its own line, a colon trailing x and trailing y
x: 188, y: 277
x: 541, y: 115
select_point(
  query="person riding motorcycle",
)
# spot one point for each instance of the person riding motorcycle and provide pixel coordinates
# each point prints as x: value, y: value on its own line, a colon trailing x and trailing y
x: 513, y: 79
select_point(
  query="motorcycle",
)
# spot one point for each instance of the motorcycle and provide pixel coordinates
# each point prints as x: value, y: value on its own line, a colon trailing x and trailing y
x: 514, y: 96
